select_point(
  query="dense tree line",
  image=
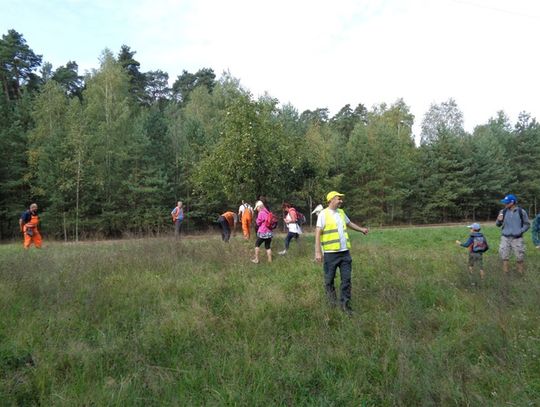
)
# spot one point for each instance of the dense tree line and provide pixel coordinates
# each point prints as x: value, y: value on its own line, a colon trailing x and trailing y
x: 110, y: 152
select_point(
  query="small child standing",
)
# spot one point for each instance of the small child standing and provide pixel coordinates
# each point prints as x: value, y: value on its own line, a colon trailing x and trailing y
x: 477, y: 245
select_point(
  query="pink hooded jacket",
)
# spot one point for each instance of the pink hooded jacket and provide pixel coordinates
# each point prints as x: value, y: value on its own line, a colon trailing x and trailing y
x: 261, y: 217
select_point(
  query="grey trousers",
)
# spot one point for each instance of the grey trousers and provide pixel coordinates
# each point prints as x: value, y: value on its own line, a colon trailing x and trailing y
x: 177, y: 228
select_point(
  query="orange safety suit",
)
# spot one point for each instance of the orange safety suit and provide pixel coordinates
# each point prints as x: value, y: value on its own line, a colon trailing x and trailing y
x: 31, y: 232
x: 247, y: 218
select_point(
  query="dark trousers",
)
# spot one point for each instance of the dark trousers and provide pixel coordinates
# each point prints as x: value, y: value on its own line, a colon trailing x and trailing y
x: 333, y: 261
x: 225, y: 229
x: 290, y: 236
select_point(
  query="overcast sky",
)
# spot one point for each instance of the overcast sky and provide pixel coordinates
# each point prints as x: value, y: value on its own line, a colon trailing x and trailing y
x: 312, y: 53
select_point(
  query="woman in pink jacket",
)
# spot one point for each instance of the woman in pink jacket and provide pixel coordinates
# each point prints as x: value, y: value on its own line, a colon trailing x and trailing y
x: 264, y: 233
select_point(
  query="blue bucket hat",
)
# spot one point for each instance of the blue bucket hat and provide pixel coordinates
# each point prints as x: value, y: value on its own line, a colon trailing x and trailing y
x: 509, y: 198
x: 474, y: 226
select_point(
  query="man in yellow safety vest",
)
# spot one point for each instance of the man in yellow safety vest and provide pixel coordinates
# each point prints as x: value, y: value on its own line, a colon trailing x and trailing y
x: 332, y: 239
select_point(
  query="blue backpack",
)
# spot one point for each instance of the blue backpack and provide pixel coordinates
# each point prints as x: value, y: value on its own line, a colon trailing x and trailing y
x: 480, y: 244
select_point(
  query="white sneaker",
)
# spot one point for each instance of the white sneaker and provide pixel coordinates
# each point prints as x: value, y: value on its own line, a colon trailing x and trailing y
x: 283, y: 252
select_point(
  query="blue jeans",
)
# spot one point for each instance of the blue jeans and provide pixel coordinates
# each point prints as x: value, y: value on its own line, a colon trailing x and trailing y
x: 290, y: 236
x: 333, y: 261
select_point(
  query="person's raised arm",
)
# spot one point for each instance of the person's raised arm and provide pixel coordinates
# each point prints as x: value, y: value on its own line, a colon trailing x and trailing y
x: 361, y: 229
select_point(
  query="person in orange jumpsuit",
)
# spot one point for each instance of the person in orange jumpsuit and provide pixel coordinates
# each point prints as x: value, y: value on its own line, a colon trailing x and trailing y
x: 245, y: 214
x: 28, y: 223
x: 227, y: 221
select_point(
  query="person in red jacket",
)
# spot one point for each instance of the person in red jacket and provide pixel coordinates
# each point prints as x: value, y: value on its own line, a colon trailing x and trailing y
x: 28, y: 222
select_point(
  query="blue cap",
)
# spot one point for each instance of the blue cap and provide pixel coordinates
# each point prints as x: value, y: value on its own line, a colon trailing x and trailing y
x: 508, y: 199
x: 474, y: 226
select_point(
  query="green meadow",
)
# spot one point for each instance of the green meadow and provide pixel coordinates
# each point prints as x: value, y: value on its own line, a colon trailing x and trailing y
x: 153, y: 322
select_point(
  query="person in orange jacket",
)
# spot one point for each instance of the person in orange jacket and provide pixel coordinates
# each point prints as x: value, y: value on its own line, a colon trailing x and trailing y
x: 245, y: 214
x: 28, y: 222
x: 227, y: 221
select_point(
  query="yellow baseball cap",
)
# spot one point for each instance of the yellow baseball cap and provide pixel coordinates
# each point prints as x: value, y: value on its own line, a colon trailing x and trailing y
x: 331, y: 195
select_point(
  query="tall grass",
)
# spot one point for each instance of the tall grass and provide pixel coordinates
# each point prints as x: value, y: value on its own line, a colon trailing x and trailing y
x: 160, y: 322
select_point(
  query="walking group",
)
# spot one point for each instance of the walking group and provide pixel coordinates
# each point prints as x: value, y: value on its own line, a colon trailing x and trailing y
x: 332, y: 244
x: 514, y: 222
x: 265, y: 224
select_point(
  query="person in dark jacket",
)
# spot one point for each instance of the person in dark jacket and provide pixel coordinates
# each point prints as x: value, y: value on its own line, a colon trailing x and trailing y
x: 513, y: 222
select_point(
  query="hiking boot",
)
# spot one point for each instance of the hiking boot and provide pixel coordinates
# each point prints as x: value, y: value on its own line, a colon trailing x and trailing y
x: 332, y: 304
x: 346, y: 308
x: 283, y: 252
x: 332, y: 299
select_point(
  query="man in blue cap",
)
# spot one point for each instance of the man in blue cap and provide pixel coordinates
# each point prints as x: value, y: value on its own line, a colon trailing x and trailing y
x: 515, y: 222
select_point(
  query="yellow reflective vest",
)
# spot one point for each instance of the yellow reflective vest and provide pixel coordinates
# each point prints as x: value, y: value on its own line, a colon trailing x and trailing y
x: 330, y: 239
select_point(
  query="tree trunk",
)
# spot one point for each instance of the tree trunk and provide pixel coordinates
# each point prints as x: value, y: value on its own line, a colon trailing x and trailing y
x: 65, y: 228
x: 310, y: 212
x: 5, y: 85
x: 77, y: 192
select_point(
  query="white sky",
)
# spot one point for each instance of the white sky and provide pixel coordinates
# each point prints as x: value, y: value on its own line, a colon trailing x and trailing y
x: 312, y: 53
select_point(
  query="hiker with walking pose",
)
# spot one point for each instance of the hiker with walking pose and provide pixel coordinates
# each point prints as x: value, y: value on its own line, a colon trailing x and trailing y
x: 514, y: 222
x: 266, y: 223
x: 292, y: 220
x: 177, y: 217
x: 332, y: 240
x: 245, y: 214
x: 28, y: 223
x: 477, y: 245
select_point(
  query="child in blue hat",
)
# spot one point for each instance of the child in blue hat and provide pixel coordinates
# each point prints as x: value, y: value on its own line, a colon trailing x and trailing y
x: 477, y: 245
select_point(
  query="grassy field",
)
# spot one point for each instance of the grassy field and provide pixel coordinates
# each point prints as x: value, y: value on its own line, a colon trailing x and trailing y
x: 155, y: 322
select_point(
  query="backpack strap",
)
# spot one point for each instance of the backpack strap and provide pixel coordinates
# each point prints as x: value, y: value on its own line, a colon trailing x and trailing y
x: 520, y: 211
x: 294, y: 215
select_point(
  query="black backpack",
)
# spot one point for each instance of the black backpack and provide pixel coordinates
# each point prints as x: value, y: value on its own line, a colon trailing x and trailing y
x: 300, y: 218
